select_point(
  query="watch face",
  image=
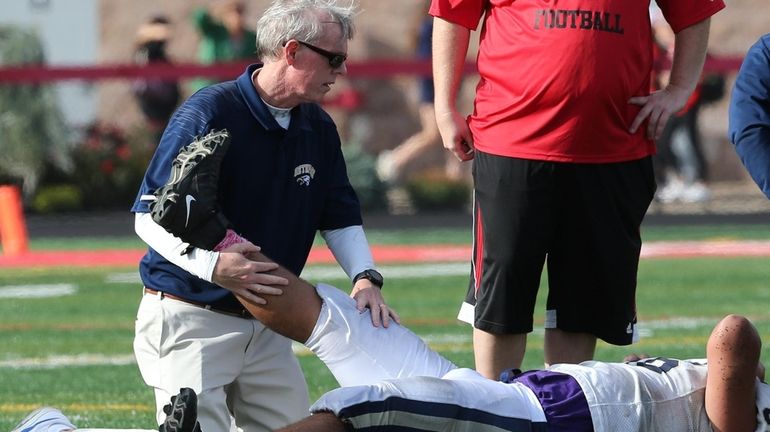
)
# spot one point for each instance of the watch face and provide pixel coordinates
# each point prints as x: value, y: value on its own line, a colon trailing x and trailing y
x: 373, y: 275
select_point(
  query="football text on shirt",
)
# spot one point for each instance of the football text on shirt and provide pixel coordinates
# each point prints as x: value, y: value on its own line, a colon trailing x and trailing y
x: 578, y: 19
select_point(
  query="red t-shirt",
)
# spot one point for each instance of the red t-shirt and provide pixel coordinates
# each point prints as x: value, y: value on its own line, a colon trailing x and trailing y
x: 555, y: 77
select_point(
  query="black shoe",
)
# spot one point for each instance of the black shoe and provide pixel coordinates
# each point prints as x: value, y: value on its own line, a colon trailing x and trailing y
x: 187, y: 205
x: 182, y: 413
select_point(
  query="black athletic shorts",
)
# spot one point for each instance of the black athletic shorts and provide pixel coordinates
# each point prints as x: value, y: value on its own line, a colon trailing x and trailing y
x: 582, y: 220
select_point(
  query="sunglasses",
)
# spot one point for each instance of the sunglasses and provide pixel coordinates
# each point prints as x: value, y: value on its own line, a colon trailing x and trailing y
x: 335, y: 59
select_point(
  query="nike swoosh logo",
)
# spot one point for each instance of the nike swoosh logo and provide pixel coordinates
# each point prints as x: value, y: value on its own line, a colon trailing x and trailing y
x: 188, y: 201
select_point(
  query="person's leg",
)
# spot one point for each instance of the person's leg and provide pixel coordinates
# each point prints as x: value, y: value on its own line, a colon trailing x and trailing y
x: 292, y: 314
x: 592, y: 269
x: 270, y: 391
x: 327, y: 321
x: 732, y: 351
x: 358, y: 353
x: 417, y: 403
x: 416, y: 146
x: 182, y: 345
x: 461, y: 401
x: 494, y: 353
x: 568, y: 347
x: 667, y: 164
x: 395, y: 165
x: 701, y: 166
x: 512, y: 235
x: 318, y: 422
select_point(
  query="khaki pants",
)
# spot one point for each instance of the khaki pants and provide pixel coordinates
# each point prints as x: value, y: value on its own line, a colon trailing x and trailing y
x: 237, y: 367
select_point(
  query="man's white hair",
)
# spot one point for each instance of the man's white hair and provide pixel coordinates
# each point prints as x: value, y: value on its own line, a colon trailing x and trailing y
x: 301, y: 20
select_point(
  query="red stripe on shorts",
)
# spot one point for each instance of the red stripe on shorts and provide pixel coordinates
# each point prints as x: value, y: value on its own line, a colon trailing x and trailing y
x: 478, y: 251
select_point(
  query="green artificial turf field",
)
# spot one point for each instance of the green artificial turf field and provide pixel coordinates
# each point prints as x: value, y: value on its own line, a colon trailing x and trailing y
x: 72, y: 350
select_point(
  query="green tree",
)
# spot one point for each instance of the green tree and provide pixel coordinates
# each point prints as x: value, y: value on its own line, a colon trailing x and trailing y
x: 32, y: 129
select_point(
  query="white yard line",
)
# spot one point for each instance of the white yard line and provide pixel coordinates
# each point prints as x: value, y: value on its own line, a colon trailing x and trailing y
x: 59, y: 361
x: 37, y: 291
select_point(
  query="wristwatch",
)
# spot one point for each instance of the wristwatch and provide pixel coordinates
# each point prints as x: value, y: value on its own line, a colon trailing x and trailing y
x: 373, y: 275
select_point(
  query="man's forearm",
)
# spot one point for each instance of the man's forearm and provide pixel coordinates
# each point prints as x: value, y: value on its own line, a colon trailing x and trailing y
x: 690, y: 47
x: 450, y: 46
x: 199, y: 262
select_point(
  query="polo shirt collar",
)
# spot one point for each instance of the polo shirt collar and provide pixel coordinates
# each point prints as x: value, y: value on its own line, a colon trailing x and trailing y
x: 258, y: 108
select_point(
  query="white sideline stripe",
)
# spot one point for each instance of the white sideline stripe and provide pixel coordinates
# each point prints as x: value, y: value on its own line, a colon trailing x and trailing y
x: 393, y: 271
x: 131, y: 277
x: 53, y: 362
x: 712, y: 248
x: 447, y: 341
x: 37, y: 291
x: 319, y: 273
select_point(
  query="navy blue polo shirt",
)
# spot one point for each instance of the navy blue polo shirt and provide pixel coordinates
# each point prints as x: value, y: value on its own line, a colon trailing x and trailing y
x: 277, y: 187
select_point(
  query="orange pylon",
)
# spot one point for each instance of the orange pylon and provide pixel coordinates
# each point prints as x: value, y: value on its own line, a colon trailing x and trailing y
x: 13, y: 229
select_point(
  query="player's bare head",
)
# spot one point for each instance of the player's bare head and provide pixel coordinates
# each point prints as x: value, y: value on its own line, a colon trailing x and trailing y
x: 302, y: 20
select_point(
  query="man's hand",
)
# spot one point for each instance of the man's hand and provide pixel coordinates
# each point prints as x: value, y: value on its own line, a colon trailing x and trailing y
x: 245, y: 277
x: 658, y: 108
x: 455, y: 134
x: 368, y: 295
x: 690, y: 46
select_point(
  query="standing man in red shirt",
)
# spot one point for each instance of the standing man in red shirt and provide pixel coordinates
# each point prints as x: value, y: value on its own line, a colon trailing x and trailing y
x: 561, y: 136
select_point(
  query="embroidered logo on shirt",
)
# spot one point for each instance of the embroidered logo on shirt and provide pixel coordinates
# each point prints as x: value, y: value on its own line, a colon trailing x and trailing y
x: 303, y: 174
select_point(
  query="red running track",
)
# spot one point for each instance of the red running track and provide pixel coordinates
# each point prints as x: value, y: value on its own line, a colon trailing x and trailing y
x: 401, y: 254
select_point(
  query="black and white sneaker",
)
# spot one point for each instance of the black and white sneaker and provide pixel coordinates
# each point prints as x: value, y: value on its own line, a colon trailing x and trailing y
x: 182, y: 413
x: 187, y: 205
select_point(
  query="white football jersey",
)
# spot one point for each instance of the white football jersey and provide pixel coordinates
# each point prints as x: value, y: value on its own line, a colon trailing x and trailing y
x: 763, y: 407
x: 655, y: 394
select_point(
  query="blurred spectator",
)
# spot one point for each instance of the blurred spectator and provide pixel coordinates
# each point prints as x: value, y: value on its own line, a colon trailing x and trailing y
x: 680, y: 166
x: 394, y: 166
x: 157, y: 97
x: 224, y: 34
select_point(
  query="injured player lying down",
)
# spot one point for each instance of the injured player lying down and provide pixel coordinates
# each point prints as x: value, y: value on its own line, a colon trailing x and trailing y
x: 392, y: 381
